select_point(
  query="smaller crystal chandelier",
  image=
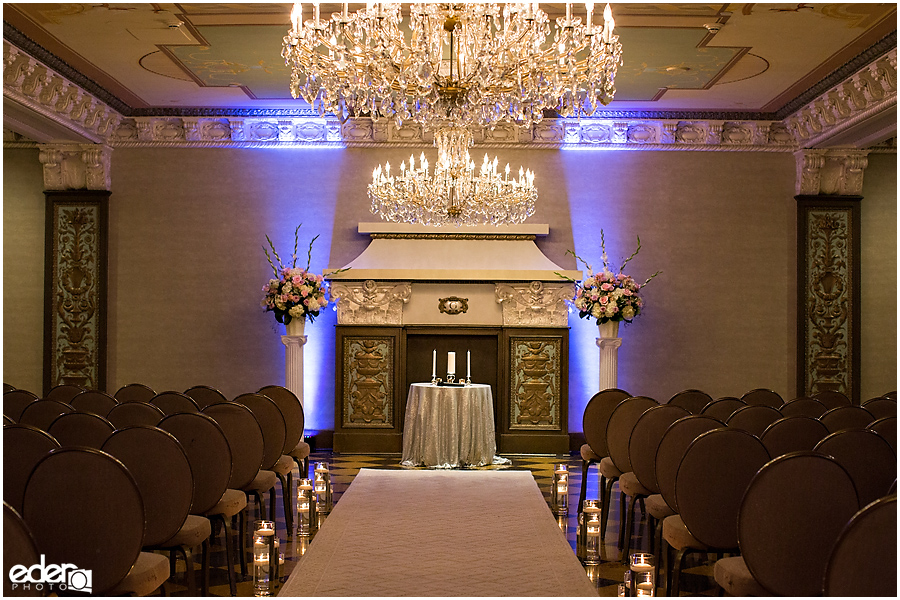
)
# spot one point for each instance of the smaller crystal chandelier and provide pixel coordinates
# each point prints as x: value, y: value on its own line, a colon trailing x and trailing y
x: 456, y: 192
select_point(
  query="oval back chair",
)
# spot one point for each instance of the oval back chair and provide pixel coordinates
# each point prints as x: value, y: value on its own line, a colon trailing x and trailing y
x: 754, y: 418
x: 64, y: 392
x: 832, y: 399
x: 864, y: 559
x: 793, y: 434
x: 673, y: 445
x: 803, y: 407
x: 41, y: 413
x: 244, y: 437
x: 692, y: 401
x: 81, y: 429
x: 723, y: 408
x: 645, y: 438
x: 93, y: 401
x: 174, y: 402
x: 23, y: 447
x: 15, y: 401
x: 127, y: 414
x: 762, y: 397
x: 799, y: 503
x: 102, y: 524
x: 19, y: 548
x: 594, y: 421
x: 134, y: 392
x: 846, y: 417
x: 205, y: 395
x: 886, y: 427
x: 867, y: 457
x: 881, y: 407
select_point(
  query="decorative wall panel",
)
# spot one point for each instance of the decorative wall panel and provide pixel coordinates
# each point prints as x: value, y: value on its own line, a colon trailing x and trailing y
x: 535, y: 384
x: 75, y: 300
x: 369, y: 384
x: 828, y: 298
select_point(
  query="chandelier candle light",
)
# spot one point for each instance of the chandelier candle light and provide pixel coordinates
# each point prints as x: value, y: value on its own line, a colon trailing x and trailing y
x: 466, y: 63
x: 456, y: 191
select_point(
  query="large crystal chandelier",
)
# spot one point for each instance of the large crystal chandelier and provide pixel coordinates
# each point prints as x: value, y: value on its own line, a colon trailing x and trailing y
x: 470, y: 64
x: 456, y: 192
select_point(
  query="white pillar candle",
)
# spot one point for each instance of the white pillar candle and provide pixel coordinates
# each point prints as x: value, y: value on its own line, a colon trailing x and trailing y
x: 468, y: 364
x: 451, y: 363
x: 433, y: 364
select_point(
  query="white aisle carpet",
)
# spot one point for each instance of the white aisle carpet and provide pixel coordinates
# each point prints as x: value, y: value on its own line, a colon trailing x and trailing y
x: 440, y: 533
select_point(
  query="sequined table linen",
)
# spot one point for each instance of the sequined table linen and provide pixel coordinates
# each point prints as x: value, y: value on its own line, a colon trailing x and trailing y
x: 449, y: 427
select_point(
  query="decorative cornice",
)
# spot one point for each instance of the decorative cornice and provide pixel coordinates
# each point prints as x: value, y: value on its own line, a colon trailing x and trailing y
x: 869, y: 91
x: 43, y: 90
x: 51, y: 61
x: 75, y: 166
x: 882, y: 46
x: 453, y: 236
x: 830, y: 172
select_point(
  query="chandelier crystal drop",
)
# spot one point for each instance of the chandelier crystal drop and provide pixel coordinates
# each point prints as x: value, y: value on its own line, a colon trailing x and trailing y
x: 456, y: 192
x: 469, y: 64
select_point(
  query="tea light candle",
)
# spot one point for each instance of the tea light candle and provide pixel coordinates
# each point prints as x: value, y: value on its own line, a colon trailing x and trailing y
x: 642, y: 562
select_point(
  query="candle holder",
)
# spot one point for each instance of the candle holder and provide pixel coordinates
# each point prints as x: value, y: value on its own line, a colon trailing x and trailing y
x: 265, y: 558
x: 559, y: 493
x: 450, y: 377
x: 324, y: 500
x: 590, y: 506
x: 468, y: 381
x: 643, y: 577
x: 592, y: 538
x: 435, y: 381
x: 307, y: 521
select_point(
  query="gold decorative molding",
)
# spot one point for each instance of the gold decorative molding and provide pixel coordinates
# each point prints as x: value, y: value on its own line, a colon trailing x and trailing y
x: 829, y: 296
x: 535, y: 383
x: 453, y: 305
x: 368, y: 384
x: 453, y: 236
x: 75, y: 166
x: 535, y: 304
x: 830, y: 172
x: 370, y: 303
x: 75, y: 301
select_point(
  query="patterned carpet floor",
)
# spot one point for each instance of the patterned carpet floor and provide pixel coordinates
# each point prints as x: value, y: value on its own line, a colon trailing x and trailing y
x: 696, y: 580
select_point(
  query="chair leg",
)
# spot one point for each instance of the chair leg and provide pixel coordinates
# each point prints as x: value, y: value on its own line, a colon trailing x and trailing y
x: 604, y: 511
x: 229, y: 557
x: 585, y: 466
x: 629, y: 526
x: 204, y: 586
x: 243, y: 542
x: 621, y: 520
x: 658, y: 553
x: 676, y: 572
x: 272, y: 503
x: 189, y: 570
x: 285, y: 500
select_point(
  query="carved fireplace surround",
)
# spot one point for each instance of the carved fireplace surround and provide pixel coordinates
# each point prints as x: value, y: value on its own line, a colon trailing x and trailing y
x: 486, y: 290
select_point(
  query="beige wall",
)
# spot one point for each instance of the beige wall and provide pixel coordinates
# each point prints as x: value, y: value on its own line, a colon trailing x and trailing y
x: 186, y: 263
x: 23, y: 269
x: 878, y: 277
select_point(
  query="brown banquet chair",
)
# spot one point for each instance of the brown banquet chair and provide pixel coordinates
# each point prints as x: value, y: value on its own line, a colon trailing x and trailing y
x: 793, y: 434
x: 881, y: 407
x: 846, y: 417
x: 691, y: 400
x: 41, y: 413
x: 81, y: 429
x: 134, y: 392
x: 23, y: 447
x: 126, y: 414
x: 803, y: 407
x: 754, y: 418
x: 832, y: 398
x: 763, y: 397
x: 886, y: 427
x: 15, y: 401
x: 64, y: 392
x: 722, y: 408
x: 594, y: 421
x: 867, y: 457
x: 101, y: 524
x: 294, y: 421
x: 93, y: 401
x: 19, y: 548
x: 205, y: 395
x: 174, y: 402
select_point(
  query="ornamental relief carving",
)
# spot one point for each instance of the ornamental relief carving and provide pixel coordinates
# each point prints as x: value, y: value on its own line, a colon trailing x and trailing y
x: 76, y: 298
x: 537, y: 304
x: 368, y: 382
x: 369, y: 303
x: 535, y: 389
x: 828, y: 302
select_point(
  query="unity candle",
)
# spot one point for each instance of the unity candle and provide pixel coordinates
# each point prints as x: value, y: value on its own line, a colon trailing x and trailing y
x: 451, y: 363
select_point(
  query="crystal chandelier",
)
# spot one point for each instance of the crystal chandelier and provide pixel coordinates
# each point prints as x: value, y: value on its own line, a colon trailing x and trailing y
x: 456, y: 192
x: 470, y: 64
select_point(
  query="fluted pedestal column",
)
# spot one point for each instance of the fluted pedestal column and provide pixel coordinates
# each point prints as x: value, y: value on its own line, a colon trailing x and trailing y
x: 293, y: 363
x: 609, y: 361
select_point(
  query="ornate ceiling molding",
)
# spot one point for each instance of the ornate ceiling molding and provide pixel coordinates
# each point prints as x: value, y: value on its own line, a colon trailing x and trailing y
x: 868, y: 92
x: 75, y: 166
x: 44, y: 91
x: 836, y: 172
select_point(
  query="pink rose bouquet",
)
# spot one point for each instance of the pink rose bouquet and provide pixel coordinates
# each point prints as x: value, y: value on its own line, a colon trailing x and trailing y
x: 293, y: 293
x: 606, y: 296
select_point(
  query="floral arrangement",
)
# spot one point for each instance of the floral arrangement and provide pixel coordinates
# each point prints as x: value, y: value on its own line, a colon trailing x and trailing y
x: 293, y: 293
x: 607, y: 296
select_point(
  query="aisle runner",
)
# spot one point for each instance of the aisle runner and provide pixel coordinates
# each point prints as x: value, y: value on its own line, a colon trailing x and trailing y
x: 440, y: 533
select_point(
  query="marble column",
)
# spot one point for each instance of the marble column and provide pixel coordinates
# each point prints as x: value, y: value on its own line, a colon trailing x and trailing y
x: 293, y: 364
x: 609, y: 361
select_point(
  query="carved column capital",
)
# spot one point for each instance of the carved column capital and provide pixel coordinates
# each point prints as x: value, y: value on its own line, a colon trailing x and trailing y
x: 535, y: 304
x: 830, y: 172
x: 370, y: 303
x: 75, y: 166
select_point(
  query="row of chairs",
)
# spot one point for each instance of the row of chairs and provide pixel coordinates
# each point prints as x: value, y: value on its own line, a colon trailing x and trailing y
x: 224, y: 444
x: 646, y: 444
